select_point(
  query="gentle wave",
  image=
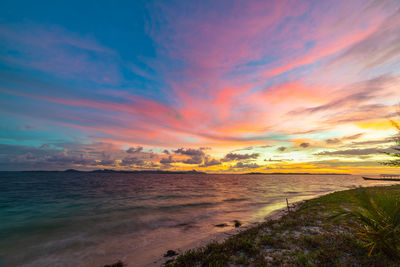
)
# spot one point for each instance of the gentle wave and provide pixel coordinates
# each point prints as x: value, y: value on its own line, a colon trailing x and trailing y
x: 62, y: 219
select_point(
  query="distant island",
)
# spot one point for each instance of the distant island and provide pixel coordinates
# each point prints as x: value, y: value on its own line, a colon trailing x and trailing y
x: 180, y: 172
x: 123, y: 171
x: 294, y: 173
x: 147, y: 171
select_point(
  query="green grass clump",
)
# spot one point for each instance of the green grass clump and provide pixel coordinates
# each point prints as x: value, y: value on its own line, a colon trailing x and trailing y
x: 376, y: 218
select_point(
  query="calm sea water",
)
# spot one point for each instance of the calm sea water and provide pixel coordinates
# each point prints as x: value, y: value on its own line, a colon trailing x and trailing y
x: 87, y: 219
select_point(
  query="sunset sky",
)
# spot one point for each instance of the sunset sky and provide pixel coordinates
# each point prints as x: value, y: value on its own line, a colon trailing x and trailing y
x: 216, y: 86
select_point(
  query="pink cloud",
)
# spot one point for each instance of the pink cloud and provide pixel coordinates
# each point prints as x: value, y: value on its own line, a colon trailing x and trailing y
x: 213, y: 45
x: 225, y: 87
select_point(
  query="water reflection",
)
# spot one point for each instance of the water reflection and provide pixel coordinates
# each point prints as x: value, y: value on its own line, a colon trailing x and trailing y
x: 67, y: 219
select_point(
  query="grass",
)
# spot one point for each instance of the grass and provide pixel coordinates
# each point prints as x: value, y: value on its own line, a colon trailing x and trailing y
x: 308, y: 236
x: 376, y: 219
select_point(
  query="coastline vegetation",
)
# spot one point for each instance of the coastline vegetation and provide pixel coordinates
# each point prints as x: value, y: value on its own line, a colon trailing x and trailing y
x: 376, y: 218
x: 396, y: 154
x: 357, y: 227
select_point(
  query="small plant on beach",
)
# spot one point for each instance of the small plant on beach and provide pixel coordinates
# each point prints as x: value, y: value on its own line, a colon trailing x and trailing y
x: 376, y: 218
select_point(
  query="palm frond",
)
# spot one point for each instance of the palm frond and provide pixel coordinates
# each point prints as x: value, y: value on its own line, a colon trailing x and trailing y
x: 376, y: 220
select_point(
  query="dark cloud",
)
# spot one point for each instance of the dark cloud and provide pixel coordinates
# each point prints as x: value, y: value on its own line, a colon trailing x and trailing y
x: 89, y: 156
x: 275, y: 160
x: 107, y: 162
x: 247, y: 165
x: 166, y: 161
x: 372, y: 142
x: 190, y: 152
x: 195, y: 155
x: 304, y: 145
x: 282, y: 148
x: 244, y: 148
x: 165, y: 151
x: 59, y: 156
x: 153, y: 165
x: 336, y: 163
x: 210, y: 162
x: 16, y: 157
x: 132, y: 150
x: 129, y: 161
x: 333, y: 141
x: 62, y: 159
x: 235, y: 156
x: 105, y: 159
x: 193, y: 160
x: 352, y: 152
x: 353, y: 137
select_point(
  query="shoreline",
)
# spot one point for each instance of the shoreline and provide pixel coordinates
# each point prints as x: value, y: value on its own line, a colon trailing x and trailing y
x: 278, y: 242
x: 224, y: 235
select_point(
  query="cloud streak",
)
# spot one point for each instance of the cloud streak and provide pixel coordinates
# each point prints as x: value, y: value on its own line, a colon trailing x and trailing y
x: 280, y: 78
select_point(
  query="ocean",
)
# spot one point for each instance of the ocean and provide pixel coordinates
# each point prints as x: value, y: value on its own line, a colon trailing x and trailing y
x: 93, y: 219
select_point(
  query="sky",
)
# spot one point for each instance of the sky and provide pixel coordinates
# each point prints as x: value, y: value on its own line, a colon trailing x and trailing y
x: 215, y: 86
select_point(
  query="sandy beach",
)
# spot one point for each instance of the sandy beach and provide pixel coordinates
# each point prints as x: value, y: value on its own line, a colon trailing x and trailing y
x: 307, y: 235
x: 221, y: 236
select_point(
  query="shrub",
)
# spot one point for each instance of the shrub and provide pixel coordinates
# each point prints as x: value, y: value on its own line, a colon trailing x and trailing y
x: 376, y: 217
